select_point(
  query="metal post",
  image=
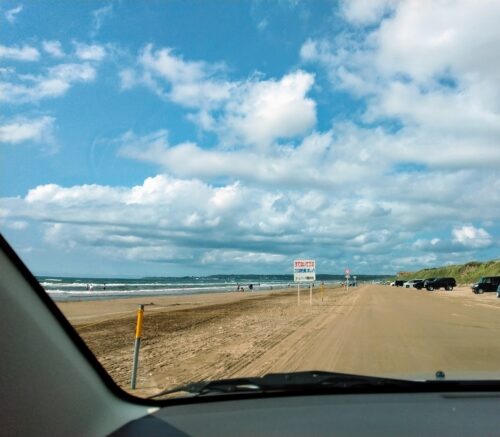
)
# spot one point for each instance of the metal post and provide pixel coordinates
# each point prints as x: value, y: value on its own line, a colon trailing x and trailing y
x: 137, y: 345
x: 322, y: 286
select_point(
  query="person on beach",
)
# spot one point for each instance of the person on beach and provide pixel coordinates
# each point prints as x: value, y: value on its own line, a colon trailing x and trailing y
x: 250, y: 287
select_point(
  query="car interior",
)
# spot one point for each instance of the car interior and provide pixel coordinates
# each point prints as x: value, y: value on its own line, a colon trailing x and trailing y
x: 41, y: 349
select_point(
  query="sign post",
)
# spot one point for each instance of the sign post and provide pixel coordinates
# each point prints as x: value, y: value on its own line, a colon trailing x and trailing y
x: 347, y: 276
x: 137, y: 345
x: 304, y: 270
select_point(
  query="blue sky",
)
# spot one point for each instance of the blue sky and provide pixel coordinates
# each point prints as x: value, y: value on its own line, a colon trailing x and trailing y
x: 177, y: 138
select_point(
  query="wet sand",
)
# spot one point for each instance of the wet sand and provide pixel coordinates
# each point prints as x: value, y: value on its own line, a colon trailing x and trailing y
x: 371, y: 329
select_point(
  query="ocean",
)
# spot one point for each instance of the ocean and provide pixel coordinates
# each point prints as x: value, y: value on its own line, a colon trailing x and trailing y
x: 64, y: 288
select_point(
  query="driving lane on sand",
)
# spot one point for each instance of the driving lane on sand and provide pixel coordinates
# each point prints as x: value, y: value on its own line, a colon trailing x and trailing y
x: 384, y: 330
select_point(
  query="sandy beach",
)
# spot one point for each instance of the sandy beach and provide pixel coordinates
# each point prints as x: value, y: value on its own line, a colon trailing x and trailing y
x: 370, y: 329
x: 194, y: 337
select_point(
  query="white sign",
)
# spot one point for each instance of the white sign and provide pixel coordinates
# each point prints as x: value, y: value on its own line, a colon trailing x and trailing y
x: 347, y: 271
x: 304, y: 270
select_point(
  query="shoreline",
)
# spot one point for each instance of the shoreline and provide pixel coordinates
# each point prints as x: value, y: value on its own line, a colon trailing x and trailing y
x: 91, y: 310
x: 103, y: 295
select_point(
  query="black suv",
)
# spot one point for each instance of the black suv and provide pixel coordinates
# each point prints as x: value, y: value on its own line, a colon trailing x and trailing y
x: 421, y: 284
x: 487, y: 283
x: 437, y: 283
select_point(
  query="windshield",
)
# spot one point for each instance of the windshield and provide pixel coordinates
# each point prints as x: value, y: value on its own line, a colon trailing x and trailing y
x: 214, y: 190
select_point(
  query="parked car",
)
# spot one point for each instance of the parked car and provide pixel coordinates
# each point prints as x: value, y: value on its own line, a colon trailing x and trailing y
x: 437, y: 283
x: 498, y: 291
x: 411, y: 283
x: 486, y: 283
x: 420, y: 285
x: 399, y: 283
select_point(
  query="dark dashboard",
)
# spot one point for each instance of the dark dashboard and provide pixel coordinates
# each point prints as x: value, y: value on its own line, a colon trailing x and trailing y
x: 412, y: 414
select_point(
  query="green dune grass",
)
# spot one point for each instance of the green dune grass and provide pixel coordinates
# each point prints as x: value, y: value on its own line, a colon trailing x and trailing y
x: 467, y: 273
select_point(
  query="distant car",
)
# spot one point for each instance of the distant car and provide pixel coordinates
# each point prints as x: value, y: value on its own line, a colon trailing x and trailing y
x: 420, y: 285
x: 411, y: 283
x: 437, y: 283
x: 486, y: 283
x: 498, y: 291
x: 399, y: 283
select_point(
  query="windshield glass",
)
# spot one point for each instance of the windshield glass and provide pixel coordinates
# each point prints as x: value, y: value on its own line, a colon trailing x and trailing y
x: 217, y: 189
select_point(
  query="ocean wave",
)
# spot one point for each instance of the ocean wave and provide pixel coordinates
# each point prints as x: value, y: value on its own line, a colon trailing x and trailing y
x: 142, y: 284
x: 136, y: 291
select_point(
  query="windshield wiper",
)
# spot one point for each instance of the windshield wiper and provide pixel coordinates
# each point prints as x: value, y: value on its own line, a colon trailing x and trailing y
x: 288, y: 382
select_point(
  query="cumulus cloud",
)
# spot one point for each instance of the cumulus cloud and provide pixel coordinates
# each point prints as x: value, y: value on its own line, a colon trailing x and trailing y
x: 165, y: 215
x: 255, y: 111
x: 365, y: 12
x: 56, y: 81
x: 181, y: 220
x: 17, y: 53
x: 90, y: 52
x: 53, y: 48
x: 472, y: 237
x: 425, y: 67
x: 192, y: 83
x: 22, y: 130
x: 318, y: 161
x: 263, y: 111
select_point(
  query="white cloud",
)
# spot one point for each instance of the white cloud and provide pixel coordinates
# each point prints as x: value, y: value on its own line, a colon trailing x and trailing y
x: 56, y: 82
x: 254, y: 111
x: 98, y: 17
x: 11, y: 14
x: 426, y: 69
x: 53, y: 48
x: 316, y: 162
x: 366, y: 11
x: 17, y: 225
x: 263, y: 111
x: 16, y: 53
x: 192, y: 82
x: 90, y: 52
x: 426, y: 64
x: 224, y: 257
x: 187, y: 217
x: 22, y: 129
x: 472, y: 237
x: 174, y: 220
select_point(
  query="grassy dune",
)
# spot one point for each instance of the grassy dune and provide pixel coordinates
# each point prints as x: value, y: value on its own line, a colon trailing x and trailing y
x: 463, y: 273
